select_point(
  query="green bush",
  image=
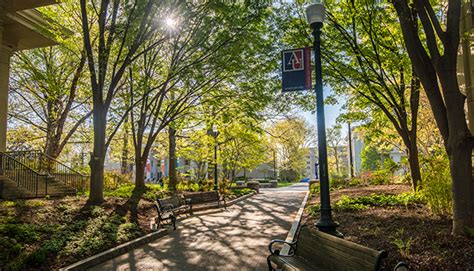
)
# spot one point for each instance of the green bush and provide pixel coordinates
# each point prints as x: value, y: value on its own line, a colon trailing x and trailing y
x: 338, y: 181
x: 436, y: 186
x: 348, y: 204
x: 313, y: 210
x: 383, y: 200
x: 314, y: 189
x: 376, y: 200
x: 289, y: 175
x: 151, y: 191
x: 113, y: 180
x: 241, y: 192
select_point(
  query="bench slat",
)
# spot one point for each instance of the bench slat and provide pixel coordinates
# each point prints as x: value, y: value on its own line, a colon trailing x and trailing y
x: 334, y: 259
x: 334, y: 252
x: 203, y: 197
x: 321, y: 250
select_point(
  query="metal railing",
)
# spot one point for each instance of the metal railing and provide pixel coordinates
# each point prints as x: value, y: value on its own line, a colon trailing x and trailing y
x: 23, y: 175
x: 45, y: 164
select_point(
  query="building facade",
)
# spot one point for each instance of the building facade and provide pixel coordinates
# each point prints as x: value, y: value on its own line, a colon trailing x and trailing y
x: 21, y: 28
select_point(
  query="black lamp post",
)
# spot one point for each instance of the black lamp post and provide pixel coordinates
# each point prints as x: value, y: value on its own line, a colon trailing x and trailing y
x: 214, y: 132
x: 315, y: 16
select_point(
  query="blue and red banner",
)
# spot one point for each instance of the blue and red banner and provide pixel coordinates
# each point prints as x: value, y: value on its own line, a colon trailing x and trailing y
x: 296, y: 69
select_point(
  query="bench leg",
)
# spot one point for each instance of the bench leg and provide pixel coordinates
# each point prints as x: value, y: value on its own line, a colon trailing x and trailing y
x: 173, y: 220
x: 270, y: 268
x: 158, y: 222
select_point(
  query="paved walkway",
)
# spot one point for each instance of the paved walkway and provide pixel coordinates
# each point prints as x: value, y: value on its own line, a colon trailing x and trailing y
x: 232, y: 239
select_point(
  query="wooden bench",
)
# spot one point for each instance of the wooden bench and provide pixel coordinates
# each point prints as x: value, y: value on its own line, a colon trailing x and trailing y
x: 315, y: 250
x: 170, y: 208
x: 205, y: 197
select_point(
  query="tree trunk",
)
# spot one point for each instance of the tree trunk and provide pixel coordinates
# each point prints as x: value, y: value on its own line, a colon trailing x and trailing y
x: 463, y: 211
x: 414, y: 163
x: 139, y: 172
x: 459, y: 149
x: 172, y: 160
x: 98, y: 156
x: 125, y: 163
x: 52, y: 145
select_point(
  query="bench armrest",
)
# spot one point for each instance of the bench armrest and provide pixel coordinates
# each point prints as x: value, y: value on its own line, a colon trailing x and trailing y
x: 277, y: 252
x: 401, y: 266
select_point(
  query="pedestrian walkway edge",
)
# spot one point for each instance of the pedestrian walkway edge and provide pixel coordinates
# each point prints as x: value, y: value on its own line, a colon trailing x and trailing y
x: 294, y: 227
x: 114, y: 252
x: 234, y: 201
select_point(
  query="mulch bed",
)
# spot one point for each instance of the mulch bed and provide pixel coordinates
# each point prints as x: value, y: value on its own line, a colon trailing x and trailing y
x: 432, y: 245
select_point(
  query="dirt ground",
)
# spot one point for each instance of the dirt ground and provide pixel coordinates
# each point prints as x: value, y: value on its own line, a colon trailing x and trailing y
x: 425, y: 240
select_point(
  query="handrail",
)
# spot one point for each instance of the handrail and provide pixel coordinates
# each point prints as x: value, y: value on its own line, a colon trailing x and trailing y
x: 64, y: 165
x: 45, y: 163
x: 23, y: 175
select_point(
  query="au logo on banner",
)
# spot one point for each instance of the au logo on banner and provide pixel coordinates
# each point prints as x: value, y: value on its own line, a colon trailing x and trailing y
x: 296, y: 69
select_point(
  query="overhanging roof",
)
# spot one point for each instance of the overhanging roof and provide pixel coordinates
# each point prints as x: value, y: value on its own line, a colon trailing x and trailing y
x: 17, y: 5
x: 27, y: 29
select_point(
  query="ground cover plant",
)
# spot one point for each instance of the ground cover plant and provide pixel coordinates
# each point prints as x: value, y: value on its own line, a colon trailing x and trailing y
x: 51, y: 233
x: 391, y: 217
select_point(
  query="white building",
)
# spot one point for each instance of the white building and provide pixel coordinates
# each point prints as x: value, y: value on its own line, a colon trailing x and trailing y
x: 311, y: 161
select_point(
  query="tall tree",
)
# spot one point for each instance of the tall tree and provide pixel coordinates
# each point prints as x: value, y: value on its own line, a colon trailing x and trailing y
x: 365, y: 61
x: 292, y: 137
x: 335, y: 143
x: 433, y: 50
x: 114, y: 34
x: 47, y: 93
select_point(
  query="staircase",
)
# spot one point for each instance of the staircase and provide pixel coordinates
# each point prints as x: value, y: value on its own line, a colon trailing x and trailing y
x: 32, y: 174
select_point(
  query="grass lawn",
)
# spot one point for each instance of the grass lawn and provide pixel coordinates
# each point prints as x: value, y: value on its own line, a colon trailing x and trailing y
x: 284, y: 184
x: 391, y: 218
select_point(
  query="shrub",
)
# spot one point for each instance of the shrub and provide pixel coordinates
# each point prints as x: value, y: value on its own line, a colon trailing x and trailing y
x: 313, y: 210
x: 151, y: 191
x: 348, y: 204
x: 241, y: 192
x: 289, y: 175
x: 337, y: 181
x: 436, y: 186
x: 377, y: 200
x: 314, y: 189
x: 113, y: 180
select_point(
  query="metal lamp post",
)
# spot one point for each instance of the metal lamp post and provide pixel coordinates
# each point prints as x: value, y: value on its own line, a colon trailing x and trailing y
x: 315, y: 16
x: 214, y: 132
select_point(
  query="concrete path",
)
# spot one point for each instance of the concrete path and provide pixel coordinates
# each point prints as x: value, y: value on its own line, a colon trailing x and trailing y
x: 232, y: 239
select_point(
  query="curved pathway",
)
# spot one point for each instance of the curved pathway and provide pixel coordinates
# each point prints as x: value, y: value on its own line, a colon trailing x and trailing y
x: 232, y: 239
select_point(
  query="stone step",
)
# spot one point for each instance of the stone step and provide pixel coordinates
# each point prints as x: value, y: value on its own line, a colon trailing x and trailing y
x: 10, y: 189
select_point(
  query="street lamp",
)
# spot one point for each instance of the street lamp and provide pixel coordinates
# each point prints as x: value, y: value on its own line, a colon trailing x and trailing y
x: 315, y: 15
x: 214, y: 132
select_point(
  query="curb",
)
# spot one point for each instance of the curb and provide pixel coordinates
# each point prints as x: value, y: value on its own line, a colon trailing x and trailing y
x: 234, y: 201
x: 230, y: 203
x: 114, y: 252
x: 124, y: 248
x: 294, y: 227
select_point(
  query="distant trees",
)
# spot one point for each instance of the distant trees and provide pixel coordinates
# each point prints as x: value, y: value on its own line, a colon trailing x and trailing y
x: 336, y: 146
x: 47, y: 93
x: 291, y: 137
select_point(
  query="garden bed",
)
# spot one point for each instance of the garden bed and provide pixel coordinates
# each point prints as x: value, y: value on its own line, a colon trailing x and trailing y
x: 398, y: 222
x: 47, y: 234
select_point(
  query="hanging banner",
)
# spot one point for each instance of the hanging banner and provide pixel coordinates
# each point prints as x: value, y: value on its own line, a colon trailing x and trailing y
x: 296, y: 69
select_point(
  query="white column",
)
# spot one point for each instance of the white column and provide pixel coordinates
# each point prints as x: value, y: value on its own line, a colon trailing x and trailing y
x: 5, y: 54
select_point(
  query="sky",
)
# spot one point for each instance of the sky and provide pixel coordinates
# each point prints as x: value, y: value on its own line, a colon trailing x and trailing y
x: 331, y: 112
